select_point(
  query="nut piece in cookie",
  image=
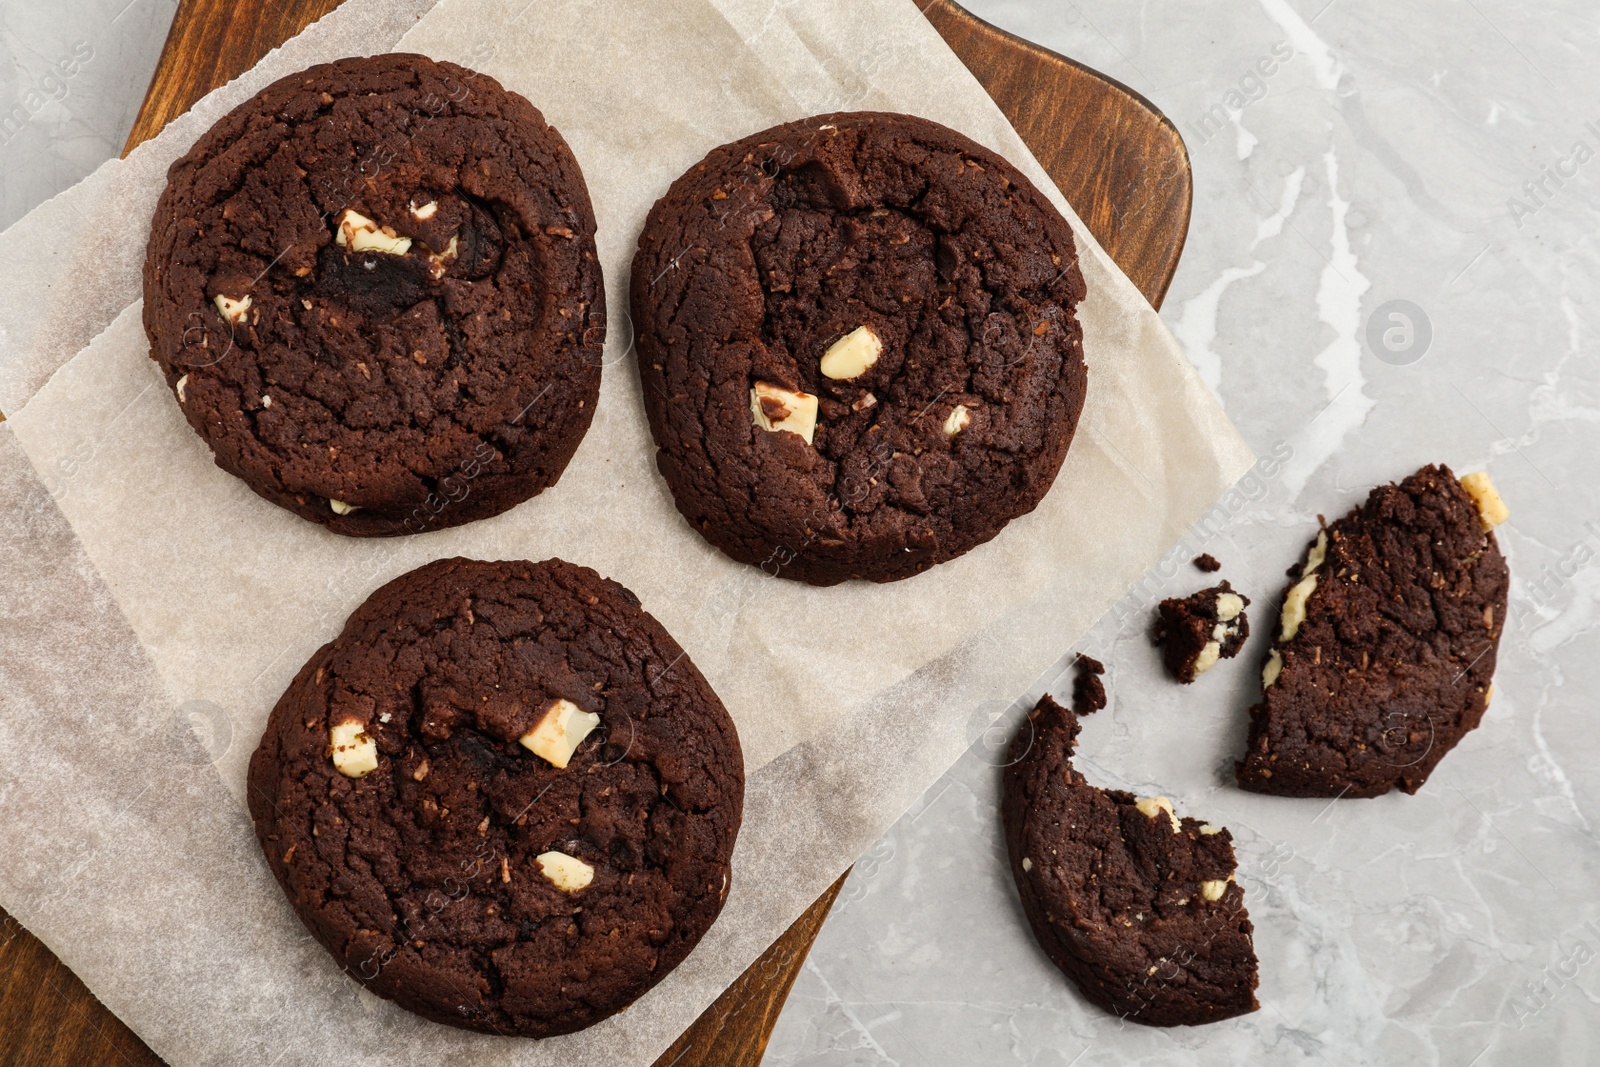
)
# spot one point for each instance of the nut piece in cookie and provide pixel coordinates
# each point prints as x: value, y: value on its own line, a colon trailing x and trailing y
x: 1137, y: 906
x: 776, y: 408
x: 1195, y: 632
x: 1386, y: 644
x: 559, y: 733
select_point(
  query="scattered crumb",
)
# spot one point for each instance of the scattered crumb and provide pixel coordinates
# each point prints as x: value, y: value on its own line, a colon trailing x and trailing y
x: 1207, y: 562
x: 1195, y: 632
x: 1088, y: 692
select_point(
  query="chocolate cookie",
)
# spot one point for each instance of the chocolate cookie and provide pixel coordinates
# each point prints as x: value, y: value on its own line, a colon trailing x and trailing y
x: 373, y: 290
x: 503, y: 797
x: 859, y: 345
x: 1194, y: 632
x: 1137, y: 906
x: 1386, y: 645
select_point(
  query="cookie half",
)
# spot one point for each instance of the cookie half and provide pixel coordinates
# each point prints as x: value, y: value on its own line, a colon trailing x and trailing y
x: 372, y: 289
x: 1386, y: 643
x: 1137, y: 906
x: 503, y: 797
x: 859, y: 345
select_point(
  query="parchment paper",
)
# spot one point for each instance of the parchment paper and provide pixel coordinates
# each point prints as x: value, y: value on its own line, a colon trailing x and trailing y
x: 849, y: 700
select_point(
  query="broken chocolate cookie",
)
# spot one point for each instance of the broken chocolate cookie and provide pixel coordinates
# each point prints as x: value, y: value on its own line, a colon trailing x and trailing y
x: 1137, y: 906
x: 1386, y: 643
x: 1194, y: 632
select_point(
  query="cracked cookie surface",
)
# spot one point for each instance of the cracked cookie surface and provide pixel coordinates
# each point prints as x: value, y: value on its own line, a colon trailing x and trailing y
x: 1385, y: 647
x: 859, y: 346
x: 1137, y: 906
x: 373, y: 291
x: 442, y: 876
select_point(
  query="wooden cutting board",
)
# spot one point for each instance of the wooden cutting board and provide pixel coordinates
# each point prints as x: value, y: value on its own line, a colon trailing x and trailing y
x: 1120, y: 163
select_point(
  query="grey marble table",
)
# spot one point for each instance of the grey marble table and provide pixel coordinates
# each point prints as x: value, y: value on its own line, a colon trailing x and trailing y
x: 1392, y: 261
x: 1348, y: 156
x: 74, y: 74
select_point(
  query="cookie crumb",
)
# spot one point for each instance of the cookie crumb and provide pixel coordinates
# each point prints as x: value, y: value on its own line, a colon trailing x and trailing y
x: 1195, y: 632
x: 1088, y: 691
x: 1206, y: 562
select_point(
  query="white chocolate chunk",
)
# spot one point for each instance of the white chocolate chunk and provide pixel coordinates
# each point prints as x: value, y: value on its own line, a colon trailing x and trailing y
x: 438, y: 262
x: 1294, y: 607
x: 355, y: 753
x: 231, y: 309
x: 775, y: 408
x: 1492, y: 511
x: 1153, y: 806
x: 959, y: 419
x: 567, y: 873
x: 1318, y: 553
x: 341, y: 508
x: 360, y: 234
x: 182, y: 396
x: 851, y: 355
x: 1270, y: 672
x: 1207, y: 829
x: 1213, y: 889
x: 557, y: 736
x: 1027, y: 864
x: 266, y: 401
x: 426, y: 211
x: 1229, y: 605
